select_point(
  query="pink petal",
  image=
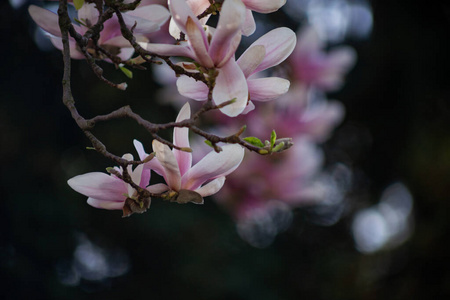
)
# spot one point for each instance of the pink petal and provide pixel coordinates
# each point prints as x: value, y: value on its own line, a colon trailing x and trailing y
x: 211, y: 187
x: 170, y: 50
x: 264, y: 89
x: 249, y: 26
x: 153, y: 164
x: 158, y: 188
x: 191, y: 88
x: 213, y: 165
x: 45, y: 19
x: 227, y: 36
x: 181, y: 11
x: 104, y: 204
x: 264, y: 6
x: 251, y: 59
x: 74, y: 52
x: 197, y: 40
x: 88, y: 14
x: 181, y: 139
x: 167, y: 159
x: 279, y: 44
x: 231, y: 84
x: 155, y: 13
x: 99, y: 186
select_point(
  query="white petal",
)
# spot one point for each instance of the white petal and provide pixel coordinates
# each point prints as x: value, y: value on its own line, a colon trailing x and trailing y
x: 158, y: 188
x: 279, y: 44
x: 211, y: 187
x: 181, y: 139
x: 97, y: 203
x: 189, y: 87
x: 167, y: 159
x: 231, y: 84
x: 45, y: 19
x: 264, y: 6
x: 251, y: 59
x: 99, y: 186
x: 264, y: 89
x: 213, y: 165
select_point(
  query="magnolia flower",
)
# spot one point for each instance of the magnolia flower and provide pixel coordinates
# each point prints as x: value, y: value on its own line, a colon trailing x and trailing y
x: 269, y: 50
x: 109, y: 192
x: 313, y: 67
x: 248, y: 26
x: 148, y: 18
x: 184, y: 182
x: 216, y: 51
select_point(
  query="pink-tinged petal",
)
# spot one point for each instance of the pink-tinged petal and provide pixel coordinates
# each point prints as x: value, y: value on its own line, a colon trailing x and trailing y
x: 279, y: 44
x: 181, y: 139
x: 121, y: 42
x: 142, y: 25
x: 197, y: 40
x: 264, y: 89
x: 181, y: 11
x: 213, y: 165
x: 249, y: 26
x: 264, y: 6
x: 227, y: 36
x: 104, y: 204
x: 155, y: 13
x: 158, y: 188
x: 153, y: 164
x: 170, y: 50
x: 167, y: 159
x: 250, y: 106
x: 251, y: 59
x: 198, y: 6
x: 99, y: 186
x: 45, y: 19
x: 125, y: 53
x: 189, y: 87
x: 88, y: 14
x: 74, y: 52
x: 211, y: 187
x: 231, y: 84
x: 145, y: 178
x: 140, y: 149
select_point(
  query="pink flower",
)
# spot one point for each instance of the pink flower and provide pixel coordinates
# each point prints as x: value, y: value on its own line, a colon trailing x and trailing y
x: 204, y: 178
x: 216, y: 51
x: 107, y: 191
x: 260, y: 6
x: 269, y: 50
x: 148, y: 18
x: 313, y: 67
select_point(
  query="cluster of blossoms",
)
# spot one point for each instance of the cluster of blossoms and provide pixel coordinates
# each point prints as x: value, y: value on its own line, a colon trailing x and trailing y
x: 208, y: 71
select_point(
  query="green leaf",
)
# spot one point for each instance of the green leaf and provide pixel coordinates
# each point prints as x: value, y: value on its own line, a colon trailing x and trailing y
x: 273, y: 138
x: 254, y: 141
x: 278, y: 147
x: 125, y: 71
x: 209, y: 143
x: 90, y: 148
x: 78, y: 4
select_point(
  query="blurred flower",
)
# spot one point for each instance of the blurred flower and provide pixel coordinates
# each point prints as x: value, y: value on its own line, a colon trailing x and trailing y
x: 148, y: 18
x: 311, y: 66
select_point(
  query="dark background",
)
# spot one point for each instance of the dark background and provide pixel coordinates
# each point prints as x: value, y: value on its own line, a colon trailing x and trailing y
x: 399, y: 92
